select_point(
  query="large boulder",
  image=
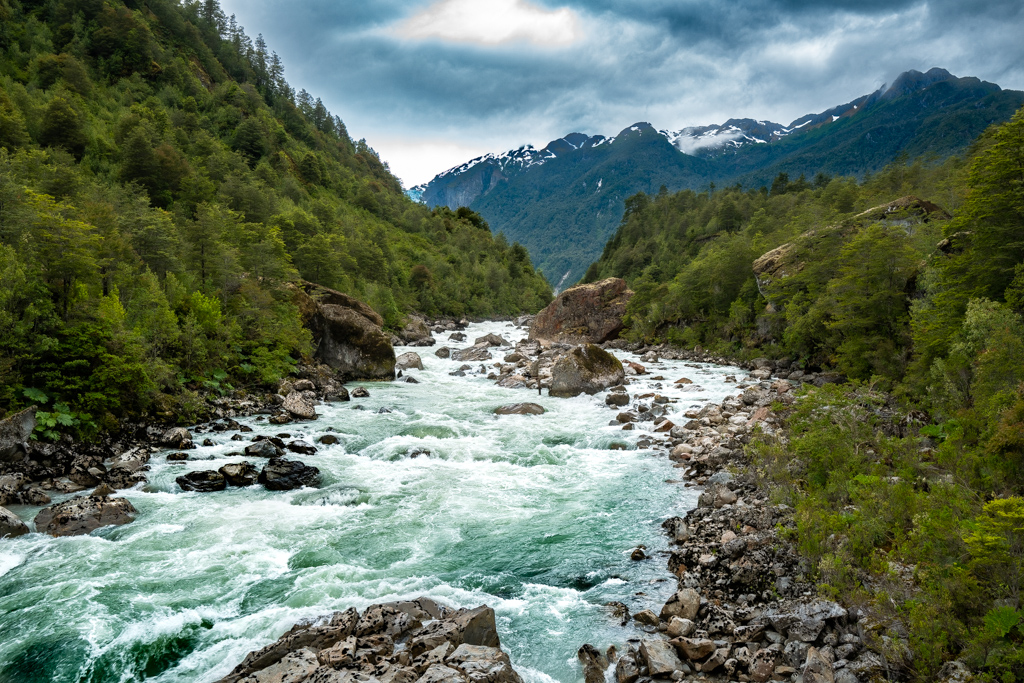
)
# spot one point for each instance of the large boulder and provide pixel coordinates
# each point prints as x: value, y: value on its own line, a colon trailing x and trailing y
x: 408, y: 361
x: 583, y: 314
x: 299, y: 405
x: 239, y: 473
x: 280, y: 474
x: 473, y: 353
x: 203, y: 481
x: 84, y: 514
x: 585, y: 370
x: 415, y: 330
x: 483, y: 663
x: 347, y: 333
x: 11, y: 524
x: 15, y: 431
x: 520, y: 409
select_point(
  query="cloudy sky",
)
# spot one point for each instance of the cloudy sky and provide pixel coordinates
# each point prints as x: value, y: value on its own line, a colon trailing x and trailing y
x: 433, y: 83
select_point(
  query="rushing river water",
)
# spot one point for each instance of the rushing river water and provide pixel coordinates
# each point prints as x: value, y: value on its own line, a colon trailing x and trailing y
x: 533, y: 515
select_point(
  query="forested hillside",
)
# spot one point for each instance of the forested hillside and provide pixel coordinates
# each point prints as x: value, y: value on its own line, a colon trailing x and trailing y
x: 160, y: 186
x: 920, y: 302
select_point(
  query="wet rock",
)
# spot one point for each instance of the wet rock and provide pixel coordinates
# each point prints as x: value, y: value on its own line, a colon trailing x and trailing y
x: 178, y: 438
x: 594, y: 663
x: 303, y: 447
x: 443, y: 352
x: 239, y: 473
x: 360, y: 392
x: 491, y: 340
x: 263, y: 449
x: 329, y: 440
x: 457, y: 337
x: 298, y: 405
x: 473, y: 353
x: 11, y: 525
x: 585, y: 370
x: 520, y: 409
x: 626, y: 669
x: 660, y: 656
x: 178, y: 457
x: 617, y: 399
x: 84, y: 514
x: 284, y: 475
x: 15, y: 431
x: 409, y: 360
x: 637, y: 555
x: 590, y: 313
x: 204, y: 481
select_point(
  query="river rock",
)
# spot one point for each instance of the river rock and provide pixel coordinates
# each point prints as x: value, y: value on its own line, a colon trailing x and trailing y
x: 694, y: 648
x: 283, y: 475
x: 15, y: 431
x: 520, y: 409
x: 239, y: 473
x: 84, y: 514
x: 586, y: 369
x: 10, y: 524
x: 483, y: 663
x: 617, y: 399
x: 301, y: 447
x: 590, y: 313
x: 409, y: 360
x: 177, y: 438
x: 414, y: 330
x: 661, y: 657
x: 593, y: 662
x: 683, y: 604
x: 443, y: 352
x: 473, y: 353
x: 347, y: 334
x: 202, y: 481
x: 491, y: 340
x: 298, y: 405
x: 263, y: 448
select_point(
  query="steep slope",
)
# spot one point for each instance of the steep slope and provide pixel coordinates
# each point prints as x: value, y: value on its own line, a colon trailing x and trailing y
x: 541, y: 198
x: 162, y: 186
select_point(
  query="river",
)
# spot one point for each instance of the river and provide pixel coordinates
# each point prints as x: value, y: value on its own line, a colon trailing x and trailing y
x: 533, y: 515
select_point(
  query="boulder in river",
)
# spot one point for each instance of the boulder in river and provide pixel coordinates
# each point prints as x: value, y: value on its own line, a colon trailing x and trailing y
x: 586, y: 369
x: 473, y: 353
x: 84, y: 514
x: 491, y: 340
x: 202, y: 481
x: 300, y: 446
x: 283, y: 475
x: 300, y: 406
x: 239, y: 473
x: 264, y: 448
x: 590, y: 313
x: 10, y: 524
x: 409, y: 360
x: 178, y: 438
x: 520, y: 409
x: 415, y: 330
x: 15, y: 431
x: 347, y: 333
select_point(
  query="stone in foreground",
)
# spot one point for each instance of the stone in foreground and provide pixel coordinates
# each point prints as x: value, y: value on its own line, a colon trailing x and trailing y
x: 661, y: 657
x: 84, y: 514
x: 585, y: 370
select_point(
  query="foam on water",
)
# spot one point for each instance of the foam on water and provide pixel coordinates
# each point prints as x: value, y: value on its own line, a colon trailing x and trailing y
x: 533, y: 515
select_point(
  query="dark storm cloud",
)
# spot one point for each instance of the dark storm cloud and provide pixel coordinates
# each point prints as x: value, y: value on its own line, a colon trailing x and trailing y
x: 673, y: 63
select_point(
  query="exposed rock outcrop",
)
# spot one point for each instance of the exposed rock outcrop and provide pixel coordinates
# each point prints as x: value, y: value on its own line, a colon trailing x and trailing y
x: 398, y: 642
x: 15, y: 431
x: 584, y: 314
x: 347, y: 333
x: 11, y: 525
x: 84, y: 514
x: 585, y: 370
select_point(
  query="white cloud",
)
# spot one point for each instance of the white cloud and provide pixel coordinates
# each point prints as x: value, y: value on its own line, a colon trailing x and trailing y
x: 416, y: 161
x: 491, y: 22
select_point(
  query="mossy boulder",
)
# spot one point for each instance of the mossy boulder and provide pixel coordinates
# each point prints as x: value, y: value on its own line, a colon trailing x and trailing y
x: 586, y: 369
x: 347, y: 333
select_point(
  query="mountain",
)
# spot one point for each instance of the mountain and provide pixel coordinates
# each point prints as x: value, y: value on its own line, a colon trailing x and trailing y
x: 564, y: 201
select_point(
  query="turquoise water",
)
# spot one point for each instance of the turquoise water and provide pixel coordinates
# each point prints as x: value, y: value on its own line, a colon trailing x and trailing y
x: 533, y: 515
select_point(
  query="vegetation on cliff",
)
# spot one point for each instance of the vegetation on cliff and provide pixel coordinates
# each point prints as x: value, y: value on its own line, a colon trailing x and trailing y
x: 160, y: 183
x: 908, y: 482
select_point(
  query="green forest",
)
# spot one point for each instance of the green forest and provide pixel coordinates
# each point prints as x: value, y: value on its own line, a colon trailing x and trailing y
x: 161, y: 185
x: 915, y: 468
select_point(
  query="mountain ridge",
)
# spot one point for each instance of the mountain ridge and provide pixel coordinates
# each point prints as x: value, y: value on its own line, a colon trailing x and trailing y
x: 930, y: 113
